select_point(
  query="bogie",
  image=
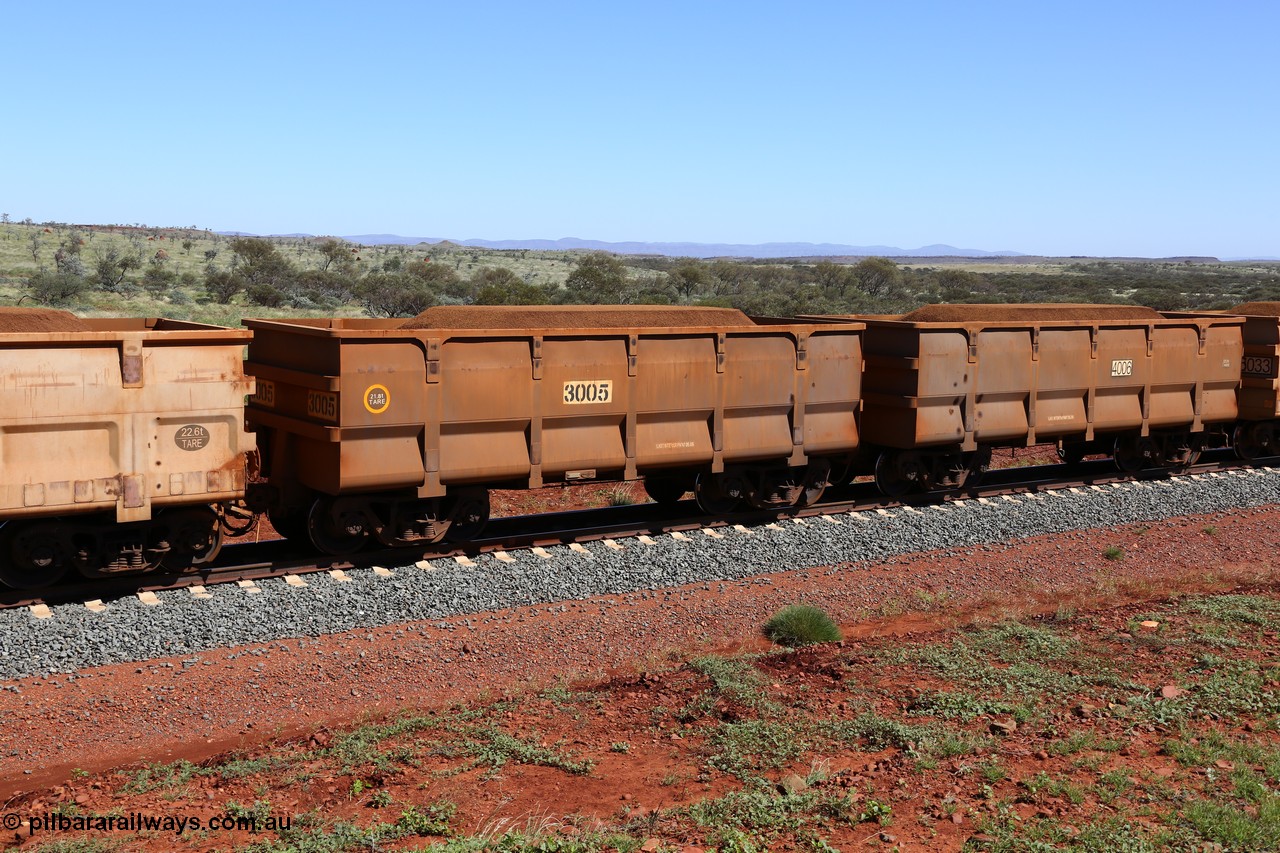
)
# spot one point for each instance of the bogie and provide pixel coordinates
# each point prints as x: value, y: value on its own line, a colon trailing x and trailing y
x: 902, y: 472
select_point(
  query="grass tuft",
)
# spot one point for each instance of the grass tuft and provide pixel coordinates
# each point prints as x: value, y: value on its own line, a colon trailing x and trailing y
x: 800, y: 625
x: 622, y: 494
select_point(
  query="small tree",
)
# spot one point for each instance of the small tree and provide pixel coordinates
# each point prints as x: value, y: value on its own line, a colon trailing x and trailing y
x: 500, y: 286
x: 334, y: 252
x: 878, y: 276
x: 835, y: 279
x: 688, y: 280
x: 110, y: 269
x: 158, y: 278
x: 599, y: 278
x: 66, y: 258
x: 324, y: 289
x: 55, y: 288
x: 257, y: 268
x: 957, y: 285
x: 266, y: 295
x: 67, y: 262
x: 260, y: 262
x: 221, y: 285
x: 394, y: 294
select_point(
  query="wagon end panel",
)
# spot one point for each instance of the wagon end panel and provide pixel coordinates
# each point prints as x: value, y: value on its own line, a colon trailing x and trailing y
x: 1223, y: 363
x: 833, y: 376
x: 340, y: 409
x: 122, y: 418
x: 917, y: 384
x: 1259, y: 396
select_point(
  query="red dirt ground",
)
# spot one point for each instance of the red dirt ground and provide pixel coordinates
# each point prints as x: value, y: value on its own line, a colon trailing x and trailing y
x: 59, y: 728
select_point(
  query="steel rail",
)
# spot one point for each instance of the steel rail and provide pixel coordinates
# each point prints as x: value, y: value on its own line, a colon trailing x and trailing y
x: 278, y: 558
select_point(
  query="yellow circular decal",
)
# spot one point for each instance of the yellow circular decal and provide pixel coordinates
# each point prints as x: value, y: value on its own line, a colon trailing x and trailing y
x: 377, y: 398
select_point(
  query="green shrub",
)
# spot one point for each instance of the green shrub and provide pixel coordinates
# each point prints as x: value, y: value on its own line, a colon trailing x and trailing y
x: 800, y: 625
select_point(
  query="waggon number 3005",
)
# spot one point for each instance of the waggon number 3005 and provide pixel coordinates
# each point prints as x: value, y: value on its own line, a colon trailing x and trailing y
x: 593, y: 391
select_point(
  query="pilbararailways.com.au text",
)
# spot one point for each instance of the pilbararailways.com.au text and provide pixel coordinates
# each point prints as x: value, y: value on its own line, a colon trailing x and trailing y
x: 138, y: 822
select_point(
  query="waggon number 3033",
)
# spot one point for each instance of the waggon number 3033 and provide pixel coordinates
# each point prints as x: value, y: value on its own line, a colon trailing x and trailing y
x: 588, y: 391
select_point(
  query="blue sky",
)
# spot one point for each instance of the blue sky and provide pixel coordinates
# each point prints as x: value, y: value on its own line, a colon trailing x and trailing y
x: 1136, y: 128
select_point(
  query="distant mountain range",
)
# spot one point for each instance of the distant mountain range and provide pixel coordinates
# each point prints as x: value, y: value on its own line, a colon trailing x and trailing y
x: 681, y: 250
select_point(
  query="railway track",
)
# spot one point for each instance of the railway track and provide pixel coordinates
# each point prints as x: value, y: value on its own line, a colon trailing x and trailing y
x: 247, y: 563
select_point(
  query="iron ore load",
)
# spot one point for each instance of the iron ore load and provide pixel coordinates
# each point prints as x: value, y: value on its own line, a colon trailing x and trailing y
x: 947, y: 383
x: 392, y: 431
x: 122, y: 442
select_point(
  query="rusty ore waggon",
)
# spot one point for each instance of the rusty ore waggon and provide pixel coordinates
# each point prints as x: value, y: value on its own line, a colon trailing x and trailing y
x: 1258, y: 431
x: 947, y: 383
x: 371, y: 430
x: 119, y: 441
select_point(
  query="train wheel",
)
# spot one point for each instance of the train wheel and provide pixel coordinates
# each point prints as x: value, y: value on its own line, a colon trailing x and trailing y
x: 1133, y: 453
x: 236, y: 519
x: 897, y: 474
x: 338, y: 536
x: 810, y: 495
x: 1182, y: 452
x: 290, y: 525
x: 956, y: 474
x: 666, y: 490
x: 1186, y: 460
x: 470, y: 515
x: 815, y: 483
x: 711, y: 498
x: 977, y: 463
x: 1250, y: 441
x: 32, y: 556
x: 195, y: 537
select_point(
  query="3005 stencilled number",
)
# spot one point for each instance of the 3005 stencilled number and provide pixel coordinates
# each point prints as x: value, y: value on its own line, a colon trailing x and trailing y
x: 580, y: 392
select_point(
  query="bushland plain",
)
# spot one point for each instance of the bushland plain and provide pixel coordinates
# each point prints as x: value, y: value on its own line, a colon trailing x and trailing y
x: 188, y: 273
